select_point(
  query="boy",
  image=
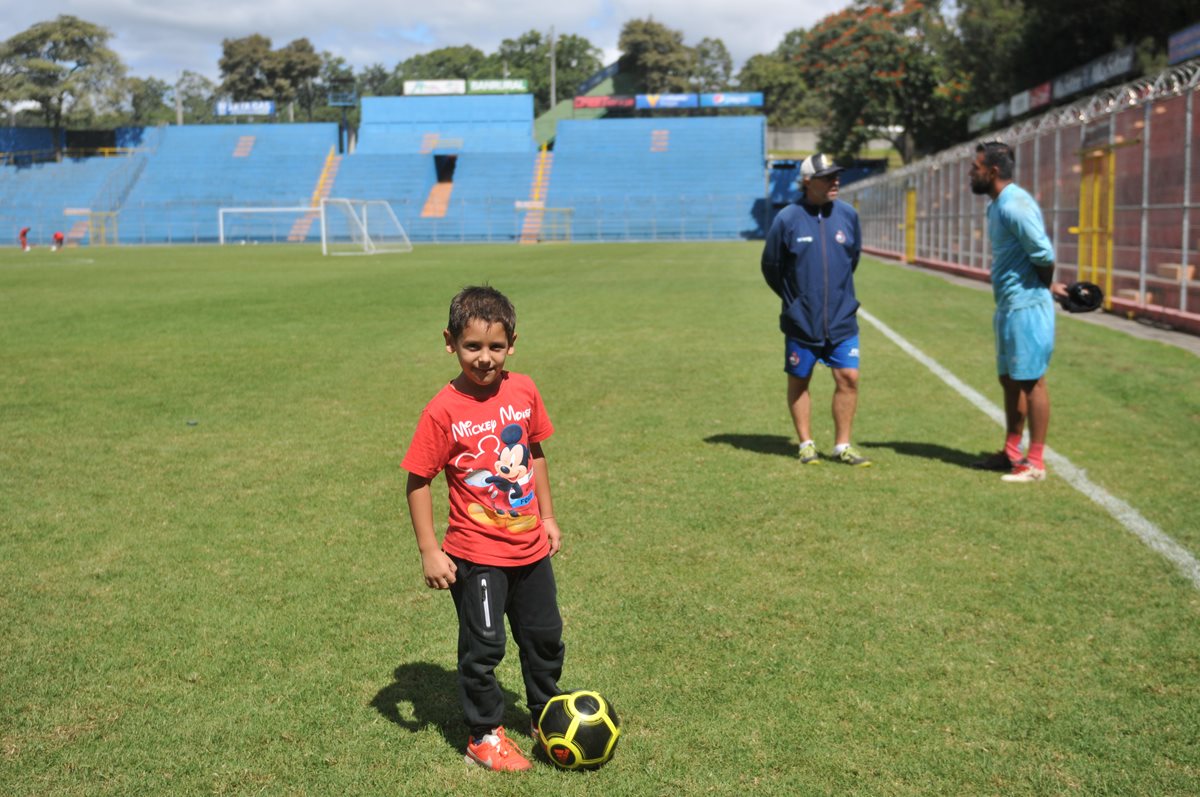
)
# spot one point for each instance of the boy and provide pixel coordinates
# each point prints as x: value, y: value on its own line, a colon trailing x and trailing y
x: 485, y: 430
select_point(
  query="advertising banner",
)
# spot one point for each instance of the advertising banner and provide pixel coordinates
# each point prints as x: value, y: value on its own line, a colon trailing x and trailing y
x: 598, y: 78
x: 1019, y: 103
x: 251, y: 108
x: 415, y: 88
x: 661, y: 101
x: 608, y: 101
x: 1114, y: 65
x: 1041, y: 95
x: 1070, y: 83
x: 730, y: 99
x: 981, y: 120
x: 1184, y: 44
x: 506, y: 86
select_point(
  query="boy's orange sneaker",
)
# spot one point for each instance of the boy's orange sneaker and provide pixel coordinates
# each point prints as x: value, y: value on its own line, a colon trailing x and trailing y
x: 494, y: 751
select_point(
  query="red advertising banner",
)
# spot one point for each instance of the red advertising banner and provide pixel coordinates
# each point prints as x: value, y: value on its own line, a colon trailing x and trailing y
x: 610, y: 101
x: 1041, y: 95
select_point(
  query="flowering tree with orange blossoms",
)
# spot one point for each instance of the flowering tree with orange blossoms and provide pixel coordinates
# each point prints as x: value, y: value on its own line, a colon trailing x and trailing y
x: 876, y: 67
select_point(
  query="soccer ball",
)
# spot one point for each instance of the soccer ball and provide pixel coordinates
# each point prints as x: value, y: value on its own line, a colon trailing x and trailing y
x: 579, y: 730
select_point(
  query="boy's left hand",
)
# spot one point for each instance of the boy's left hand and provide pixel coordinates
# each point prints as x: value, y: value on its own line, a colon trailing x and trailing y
x: 552, y: 534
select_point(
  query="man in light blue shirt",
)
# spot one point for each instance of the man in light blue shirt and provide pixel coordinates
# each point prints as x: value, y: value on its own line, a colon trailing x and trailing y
x: 1022, y: 283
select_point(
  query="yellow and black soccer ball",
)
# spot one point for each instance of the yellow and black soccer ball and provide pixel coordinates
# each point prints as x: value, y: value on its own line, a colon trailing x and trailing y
x: 579, y: 730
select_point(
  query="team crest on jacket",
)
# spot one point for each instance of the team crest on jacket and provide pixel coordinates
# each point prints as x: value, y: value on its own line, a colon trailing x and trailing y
x: 840, y: 237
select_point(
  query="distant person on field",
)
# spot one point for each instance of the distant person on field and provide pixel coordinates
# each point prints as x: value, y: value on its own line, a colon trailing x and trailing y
x: 485, y: 430
x: 1023, y: 286
x: 23, y: 235
x: 809, y: 260
x: 58, y: 242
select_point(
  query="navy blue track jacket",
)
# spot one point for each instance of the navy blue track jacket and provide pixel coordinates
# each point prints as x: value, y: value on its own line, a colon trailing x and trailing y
x: 809, y: 261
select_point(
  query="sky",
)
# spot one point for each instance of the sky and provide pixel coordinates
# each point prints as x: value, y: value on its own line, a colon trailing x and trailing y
x: 161, y: 38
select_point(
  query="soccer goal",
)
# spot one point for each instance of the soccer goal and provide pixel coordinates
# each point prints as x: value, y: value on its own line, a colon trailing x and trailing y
x: 361, y: 227
x: 265, y: 225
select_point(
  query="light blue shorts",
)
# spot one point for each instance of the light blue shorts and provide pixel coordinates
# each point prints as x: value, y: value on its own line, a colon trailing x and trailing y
x: 800, y: 358
x: 1024, y: 340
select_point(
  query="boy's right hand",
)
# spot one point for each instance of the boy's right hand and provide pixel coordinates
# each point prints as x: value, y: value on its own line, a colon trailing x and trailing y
x: 439, y: 569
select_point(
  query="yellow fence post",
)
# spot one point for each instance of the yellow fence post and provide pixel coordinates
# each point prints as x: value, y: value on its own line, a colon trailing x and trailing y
x: 910, y: 226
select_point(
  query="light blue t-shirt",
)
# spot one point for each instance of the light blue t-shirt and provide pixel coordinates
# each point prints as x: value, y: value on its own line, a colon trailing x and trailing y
x: 1019, y: 243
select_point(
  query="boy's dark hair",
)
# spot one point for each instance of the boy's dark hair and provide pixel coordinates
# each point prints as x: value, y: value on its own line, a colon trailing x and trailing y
x: 484, y: 303
x: 1000, y: 155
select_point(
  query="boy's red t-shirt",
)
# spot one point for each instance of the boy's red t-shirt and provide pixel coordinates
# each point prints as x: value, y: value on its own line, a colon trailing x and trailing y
x: 483, y: 446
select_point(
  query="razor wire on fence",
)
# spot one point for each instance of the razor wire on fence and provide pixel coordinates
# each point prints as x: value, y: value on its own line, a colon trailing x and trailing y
x: 1117, y: 177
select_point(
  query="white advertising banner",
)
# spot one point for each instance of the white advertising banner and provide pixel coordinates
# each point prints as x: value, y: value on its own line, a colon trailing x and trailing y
x: 427, y: 87
x: 508, y: 86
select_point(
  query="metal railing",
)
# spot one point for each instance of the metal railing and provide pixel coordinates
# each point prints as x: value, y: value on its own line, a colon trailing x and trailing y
x: 1117, y: 176
x: 467, y: 220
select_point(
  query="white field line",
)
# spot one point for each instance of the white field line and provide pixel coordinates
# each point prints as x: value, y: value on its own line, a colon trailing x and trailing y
x: 1126, y: 515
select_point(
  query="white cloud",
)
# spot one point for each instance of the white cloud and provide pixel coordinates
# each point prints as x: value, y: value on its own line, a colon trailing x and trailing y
x: 159, y: 39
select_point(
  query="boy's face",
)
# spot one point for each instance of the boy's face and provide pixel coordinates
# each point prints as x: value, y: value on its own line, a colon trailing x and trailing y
x: 481, y: 350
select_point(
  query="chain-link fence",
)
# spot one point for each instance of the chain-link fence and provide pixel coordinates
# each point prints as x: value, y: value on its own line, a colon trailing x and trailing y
x: 1117, y: 176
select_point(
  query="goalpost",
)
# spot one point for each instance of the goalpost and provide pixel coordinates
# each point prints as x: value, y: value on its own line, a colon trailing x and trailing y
x: 361, y: 227
x: 346, y: 226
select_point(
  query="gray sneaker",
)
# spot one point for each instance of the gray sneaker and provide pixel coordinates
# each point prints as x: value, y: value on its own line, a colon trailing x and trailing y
x: 852, y: 456
x: 809, y: 455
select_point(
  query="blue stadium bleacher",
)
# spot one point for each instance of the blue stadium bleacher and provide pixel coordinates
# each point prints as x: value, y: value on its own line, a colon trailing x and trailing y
x: 198, y: 169
x: 661, y: 178
x: 51, y: 197
x: 488, y: 138
x: 24, y: 145
x: 484, y: 123
x: 402, y: 180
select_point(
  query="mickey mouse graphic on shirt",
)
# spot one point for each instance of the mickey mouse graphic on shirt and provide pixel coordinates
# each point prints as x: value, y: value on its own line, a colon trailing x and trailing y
x: 511, y: 472
x: 508, y: 485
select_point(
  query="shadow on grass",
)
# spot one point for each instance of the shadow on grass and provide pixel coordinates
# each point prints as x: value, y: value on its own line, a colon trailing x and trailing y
x: 950, y: 456
x: 432, y: 693
x: 777, y: 445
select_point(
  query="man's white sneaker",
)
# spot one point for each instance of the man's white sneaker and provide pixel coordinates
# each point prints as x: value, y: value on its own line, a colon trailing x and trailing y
x: 1024, y: 472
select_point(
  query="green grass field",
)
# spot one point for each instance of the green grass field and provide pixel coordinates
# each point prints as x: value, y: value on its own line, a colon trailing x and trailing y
x: 210, y: 584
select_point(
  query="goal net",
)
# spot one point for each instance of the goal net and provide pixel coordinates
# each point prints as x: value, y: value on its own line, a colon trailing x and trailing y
x: 361, y: 227
x: 556, y: 224
x: 265, y: 225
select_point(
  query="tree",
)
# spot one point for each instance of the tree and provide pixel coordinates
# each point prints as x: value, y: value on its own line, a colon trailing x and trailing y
x: 148, y: 102
x: 446, y: 63
x: 528, y: 57
x: 656, y: 56
x: 1060, y: 35
x: 375, y: 81
x: 291, y: 71
x: 576, y: 59
x: 712, y: 67
x: 880, y: 78
x: 243, y: 67
x: 197, y: 94
x: 787, y: 101
x: 61, y: 65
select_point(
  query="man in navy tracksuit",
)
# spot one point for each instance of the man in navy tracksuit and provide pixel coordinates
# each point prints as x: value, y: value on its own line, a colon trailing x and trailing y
x: 809, y: 260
